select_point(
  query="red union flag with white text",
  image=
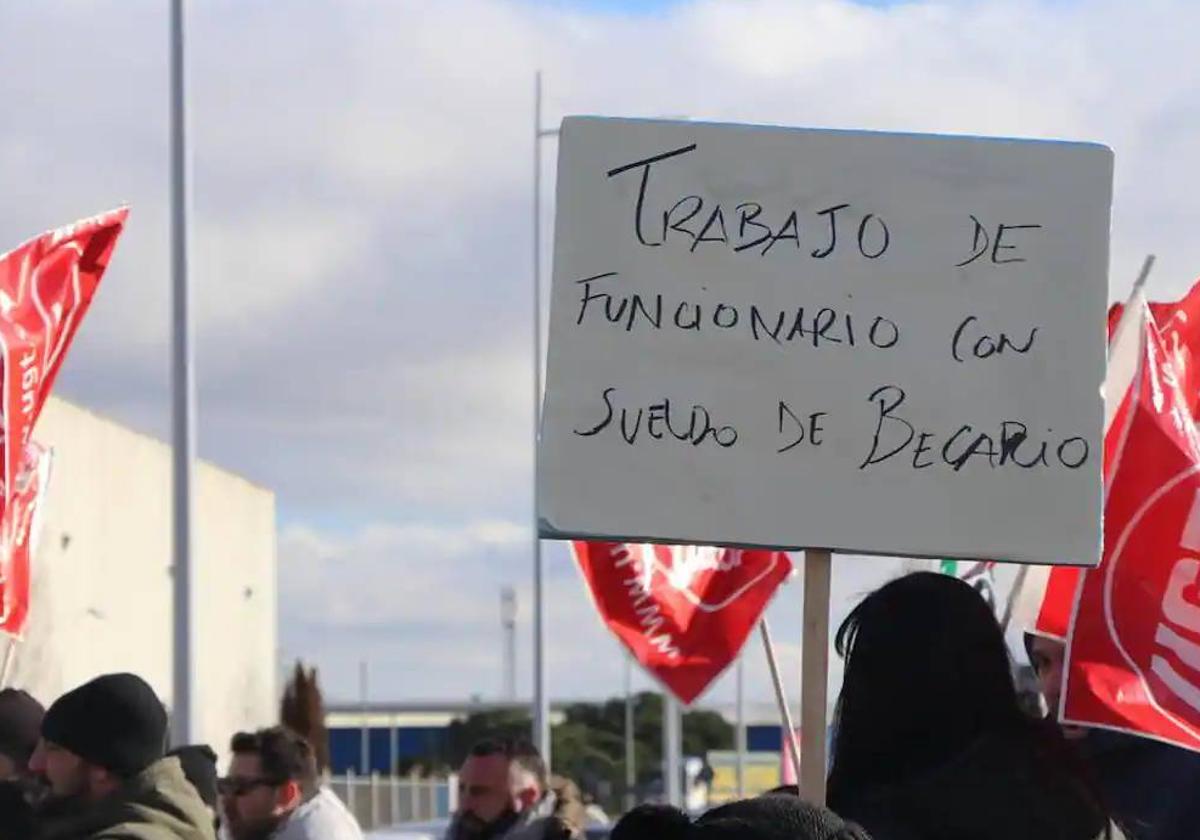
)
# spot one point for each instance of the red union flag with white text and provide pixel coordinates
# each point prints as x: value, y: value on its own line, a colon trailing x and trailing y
x: 46, y: 286
x: 684, y: 612
x: 1047, y: 597
x: 1134, y: 648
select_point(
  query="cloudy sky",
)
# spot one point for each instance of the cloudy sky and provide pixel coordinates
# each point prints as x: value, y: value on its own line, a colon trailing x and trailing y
x: 362, y: 175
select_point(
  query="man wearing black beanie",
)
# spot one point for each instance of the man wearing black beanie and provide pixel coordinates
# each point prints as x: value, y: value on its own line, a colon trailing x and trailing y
x: 102, y: 754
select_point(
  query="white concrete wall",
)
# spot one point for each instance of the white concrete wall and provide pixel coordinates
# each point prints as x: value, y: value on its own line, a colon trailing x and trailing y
x: 102, y: 575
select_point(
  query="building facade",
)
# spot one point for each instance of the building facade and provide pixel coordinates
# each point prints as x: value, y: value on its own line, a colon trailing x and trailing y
x: 102, y: 585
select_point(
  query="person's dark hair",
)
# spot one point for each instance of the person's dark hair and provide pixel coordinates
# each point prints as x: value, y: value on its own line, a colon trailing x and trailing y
x: 770, y: 817
x: 657, y: 822
x: 518, y: 751
x: 284, y: 756
x: 928, y: 674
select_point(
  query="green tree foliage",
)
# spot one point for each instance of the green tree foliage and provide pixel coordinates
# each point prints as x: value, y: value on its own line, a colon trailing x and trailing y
x: 303, y: 710
x: 589, y: 742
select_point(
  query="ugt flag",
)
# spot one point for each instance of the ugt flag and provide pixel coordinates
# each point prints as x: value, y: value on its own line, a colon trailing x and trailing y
x: 1134, y: 647
x: 684, y: 612
x: 46, y: 286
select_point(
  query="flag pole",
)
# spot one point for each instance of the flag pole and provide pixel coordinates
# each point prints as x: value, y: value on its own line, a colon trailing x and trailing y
x: 789, y: 742
x: 740, y: 735
x: 10, y: 655
x: 183, y: 388
x: 672, y: 750
x: 1140, y: 282
x: 541, y: 701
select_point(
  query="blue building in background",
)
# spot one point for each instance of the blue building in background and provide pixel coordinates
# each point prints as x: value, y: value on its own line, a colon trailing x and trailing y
x: 397, y: 733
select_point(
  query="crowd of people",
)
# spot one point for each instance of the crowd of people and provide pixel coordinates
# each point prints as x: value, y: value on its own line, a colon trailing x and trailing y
x: 931, y: 743
x: 94, y: 766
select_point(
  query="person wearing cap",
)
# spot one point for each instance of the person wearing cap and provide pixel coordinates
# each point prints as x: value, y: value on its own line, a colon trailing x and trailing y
x: 101, y: 752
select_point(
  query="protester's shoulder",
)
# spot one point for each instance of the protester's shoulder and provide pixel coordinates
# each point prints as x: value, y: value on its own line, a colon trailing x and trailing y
x: 149, y: 831
x: 546, y: 828
x: 998, y: 788
x: 882, y: 816
x: 324, y: 817
x: 161, y: 805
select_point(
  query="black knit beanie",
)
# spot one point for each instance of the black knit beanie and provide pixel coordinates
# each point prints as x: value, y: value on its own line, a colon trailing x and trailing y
x: 115, y: 722
x: 20, y: 725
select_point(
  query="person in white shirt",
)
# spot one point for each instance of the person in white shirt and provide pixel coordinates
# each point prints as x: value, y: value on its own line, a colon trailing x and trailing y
x: 272, y: 792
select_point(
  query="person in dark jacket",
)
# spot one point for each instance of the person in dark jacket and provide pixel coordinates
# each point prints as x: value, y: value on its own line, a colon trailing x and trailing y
x: 1149, y: 786
x: 101, y: 753
x: 769, y: 817
x: 932, y: 743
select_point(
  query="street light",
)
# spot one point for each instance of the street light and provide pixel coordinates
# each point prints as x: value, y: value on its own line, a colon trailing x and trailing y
x: 541, y: 702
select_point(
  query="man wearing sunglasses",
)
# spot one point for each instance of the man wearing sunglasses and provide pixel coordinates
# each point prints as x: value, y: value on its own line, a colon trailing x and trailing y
x: 272, y: 791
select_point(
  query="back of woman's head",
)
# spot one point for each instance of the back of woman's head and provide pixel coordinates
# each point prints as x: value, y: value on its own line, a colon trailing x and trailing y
x: 927, y: 672
x: 769, y: 817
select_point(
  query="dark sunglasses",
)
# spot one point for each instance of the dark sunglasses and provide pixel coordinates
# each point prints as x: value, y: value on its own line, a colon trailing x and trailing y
x: 234, y: 786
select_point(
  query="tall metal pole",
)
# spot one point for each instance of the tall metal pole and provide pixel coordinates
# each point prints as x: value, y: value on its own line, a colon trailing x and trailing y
x: 672, y: 751
x: 365, y: 746
x: 541, y: 703
x: 630, y: 743
x: 508, y: 622
x: 740, y: 735
x: 183, y: 403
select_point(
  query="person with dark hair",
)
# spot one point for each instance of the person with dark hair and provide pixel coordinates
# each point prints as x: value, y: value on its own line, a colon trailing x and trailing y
x: 20, y: 727
x: 784, y: 790
x: 1148, y: 784
x: 273, y: 791
x: 769, y: 817
x: 199, y: 764
x: 101, y: 753
x: 931, y: 740
x: 504, y: 791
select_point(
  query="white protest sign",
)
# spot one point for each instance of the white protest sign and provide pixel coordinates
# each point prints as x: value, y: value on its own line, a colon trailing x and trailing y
x: 866, y: 342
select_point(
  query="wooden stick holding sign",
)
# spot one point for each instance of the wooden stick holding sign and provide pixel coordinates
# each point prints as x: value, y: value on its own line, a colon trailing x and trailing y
x: 785, y: 713
x: 813, y: 669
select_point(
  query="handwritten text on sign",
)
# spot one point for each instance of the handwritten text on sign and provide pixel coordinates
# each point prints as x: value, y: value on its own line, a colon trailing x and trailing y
x: 857, y: 341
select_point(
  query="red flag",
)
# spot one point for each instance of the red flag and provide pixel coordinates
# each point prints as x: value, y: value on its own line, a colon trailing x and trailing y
x: 1052, y: 590
x: 19, y: 527
x: 46, y: 286
x: 1134, y: 651
x: 1179, y: 324
x: 684, y: 612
